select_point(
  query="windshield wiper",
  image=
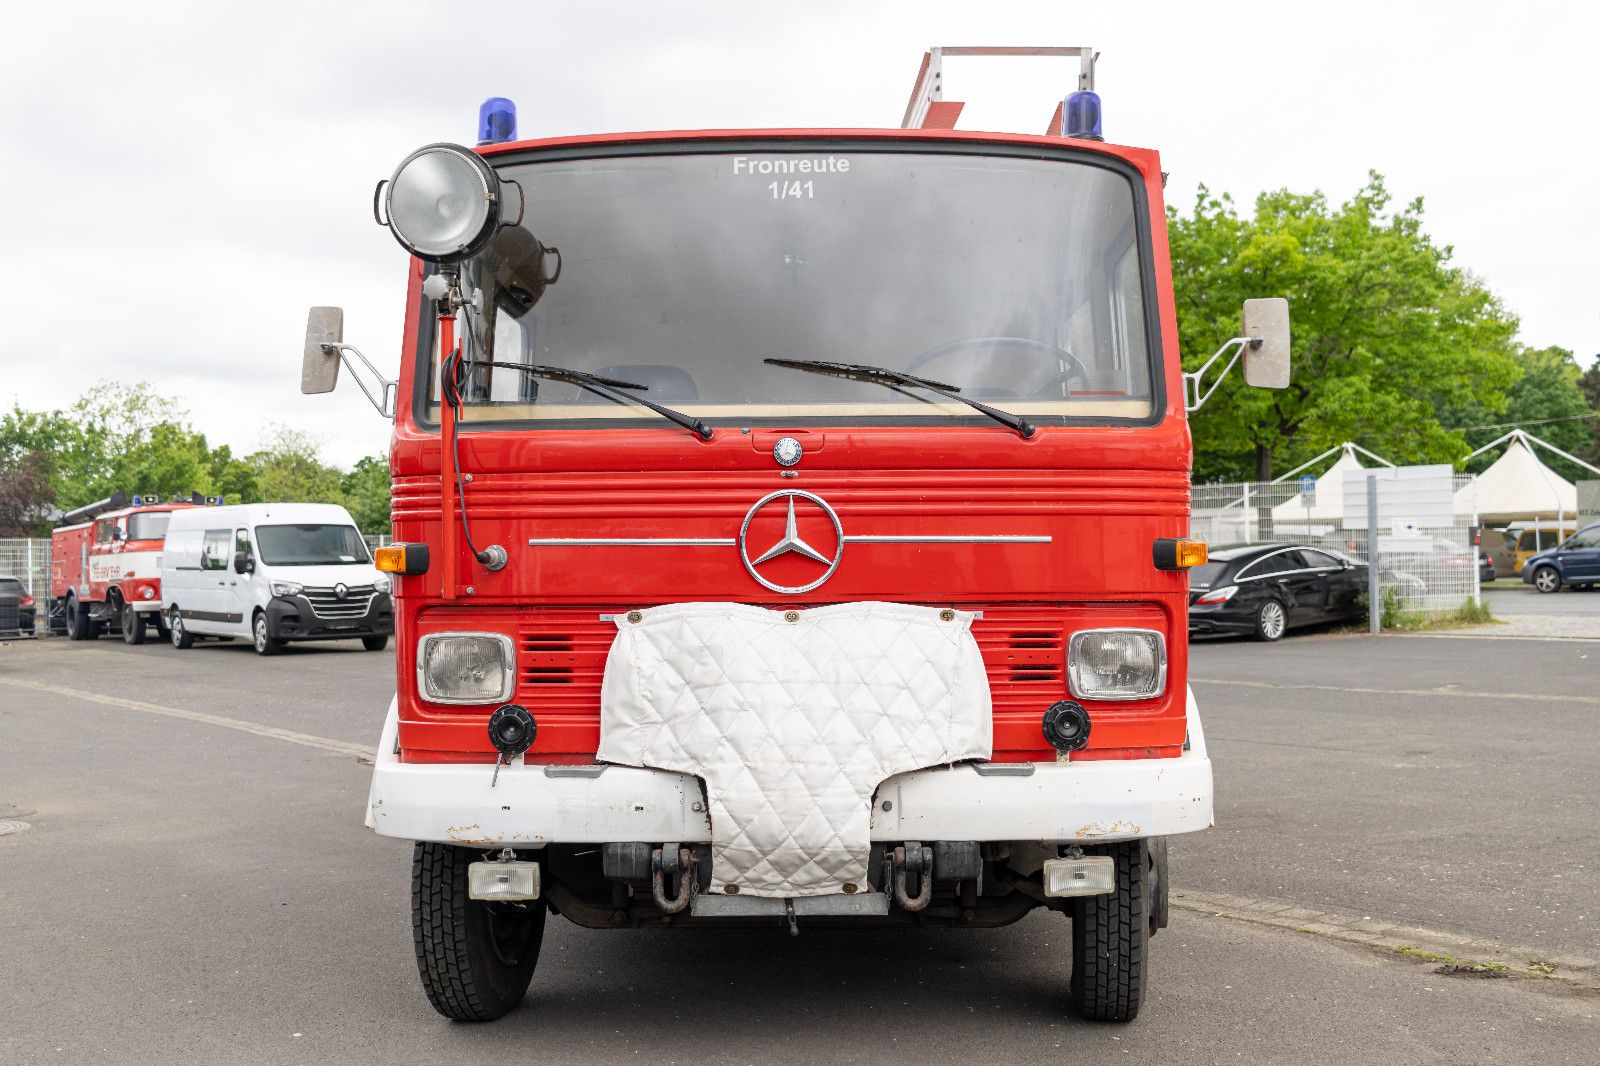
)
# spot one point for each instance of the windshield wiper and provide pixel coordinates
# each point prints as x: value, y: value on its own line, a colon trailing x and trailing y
x: 601, y: 386
x: 895, y: 379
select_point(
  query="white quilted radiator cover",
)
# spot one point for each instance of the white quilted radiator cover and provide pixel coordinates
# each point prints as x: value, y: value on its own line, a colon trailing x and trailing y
x: 792, y: 725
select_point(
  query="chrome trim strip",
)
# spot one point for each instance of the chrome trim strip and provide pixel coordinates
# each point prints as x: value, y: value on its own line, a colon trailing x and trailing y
x: 977, y: 539
x: 729, y: 542
x: 635, y: 542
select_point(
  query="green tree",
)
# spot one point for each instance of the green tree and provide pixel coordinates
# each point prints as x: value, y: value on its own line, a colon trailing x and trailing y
x: 1547, y: 400
x: 1386, y: 331
x: 26, y: 496
x: 366, y: 494
x: 1589, y: 382
x: 290, y: 468
x: 233, y: 479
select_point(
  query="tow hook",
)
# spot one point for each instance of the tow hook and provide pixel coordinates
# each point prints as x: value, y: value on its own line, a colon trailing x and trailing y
x: 684, y: 864
x: 916, y: 860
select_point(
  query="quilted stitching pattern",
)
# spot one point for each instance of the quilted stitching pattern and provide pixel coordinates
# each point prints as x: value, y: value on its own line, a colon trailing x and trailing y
x: 793, y: 725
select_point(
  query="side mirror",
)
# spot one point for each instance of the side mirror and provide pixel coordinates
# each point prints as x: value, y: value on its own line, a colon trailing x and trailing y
x: 319, y: 371
x: 243, y: 564
x: 1266, y: 351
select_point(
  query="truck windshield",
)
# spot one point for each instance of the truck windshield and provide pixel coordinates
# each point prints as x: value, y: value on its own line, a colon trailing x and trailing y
x: 310, y: 544
x: 148, y: 525
x: 1019, y: 280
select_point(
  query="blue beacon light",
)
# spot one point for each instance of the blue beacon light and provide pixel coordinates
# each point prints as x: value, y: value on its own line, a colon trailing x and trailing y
x: 497, y: 121
x: 1080, y: 116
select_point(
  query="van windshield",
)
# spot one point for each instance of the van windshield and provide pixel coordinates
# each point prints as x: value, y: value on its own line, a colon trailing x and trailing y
x: 310, y: 544
x: 1021, y: 281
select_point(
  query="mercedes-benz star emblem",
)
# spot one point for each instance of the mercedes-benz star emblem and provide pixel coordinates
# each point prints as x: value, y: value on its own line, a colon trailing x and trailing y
x: 787, y: 451
x: 791, y: 542
x: 340, y: 591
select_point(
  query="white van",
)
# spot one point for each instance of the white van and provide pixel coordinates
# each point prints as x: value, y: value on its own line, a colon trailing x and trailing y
x: 272, y: 572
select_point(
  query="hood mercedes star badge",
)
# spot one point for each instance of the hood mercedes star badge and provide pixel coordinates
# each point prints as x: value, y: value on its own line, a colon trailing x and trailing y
x: 791, y: 542
x: 787, y: 451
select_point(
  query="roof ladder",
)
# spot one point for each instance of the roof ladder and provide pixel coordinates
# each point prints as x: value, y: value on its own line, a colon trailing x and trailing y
x: 929, y: 110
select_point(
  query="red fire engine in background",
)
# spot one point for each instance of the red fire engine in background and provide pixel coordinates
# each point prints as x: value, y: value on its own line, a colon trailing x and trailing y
x: 105, y: 566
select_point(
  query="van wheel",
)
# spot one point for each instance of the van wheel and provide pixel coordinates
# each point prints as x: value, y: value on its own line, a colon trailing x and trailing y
x: 265, y: 643
x: 177, y: 632
x: 1545, y: 579
x: 1109, y: 937
x: 475, y: 958
x: 79, y: 625
x: 132, y: 625
x: 377, y: 643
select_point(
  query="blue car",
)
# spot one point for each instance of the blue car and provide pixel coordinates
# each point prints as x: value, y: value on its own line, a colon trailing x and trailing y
x: 1575, y: 561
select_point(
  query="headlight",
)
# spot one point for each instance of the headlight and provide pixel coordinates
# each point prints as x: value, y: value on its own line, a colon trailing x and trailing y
x: 1117, y: 664
x: 465, y: 667
x: 443, y: 203
x: 287, y: 588
x: 382, y: 583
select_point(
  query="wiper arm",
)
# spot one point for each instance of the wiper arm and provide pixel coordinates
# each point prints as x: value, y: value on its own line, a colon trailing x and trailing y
x: 610, y: 388
x: 895, y: 379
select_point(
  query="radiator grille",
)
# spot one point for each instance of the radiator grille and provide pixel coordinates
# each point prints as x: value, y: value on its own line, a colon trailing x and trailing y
x: 562, y: 658
x: 325, y: 603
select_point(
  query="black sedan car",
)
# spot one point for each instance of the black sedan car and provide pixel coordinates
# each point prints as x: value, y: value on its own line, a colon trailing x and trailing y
x: 1264, y: 589
x: 16, y: 608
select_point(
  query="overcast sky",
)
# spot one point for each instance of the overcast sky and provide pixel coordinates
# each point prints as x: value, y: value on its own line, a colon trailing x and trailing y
x: 188, y: 179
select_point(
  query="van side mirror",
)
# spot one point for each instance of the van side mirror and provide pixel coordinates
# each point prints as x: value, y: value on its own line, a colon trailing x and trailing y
x: 319, y: 370
x: 243, y: 563
x: 1266, y: 351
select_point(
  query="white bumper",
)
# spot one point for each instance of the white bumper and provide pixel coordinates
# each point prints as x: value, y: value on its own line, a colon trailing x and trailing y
x: 531, y: 806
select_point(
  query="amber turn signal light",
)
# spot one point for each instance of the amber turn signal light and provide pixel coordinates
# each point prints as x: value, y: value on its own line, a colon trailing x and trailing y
x: 407, y: 559
x: 1171, y: 553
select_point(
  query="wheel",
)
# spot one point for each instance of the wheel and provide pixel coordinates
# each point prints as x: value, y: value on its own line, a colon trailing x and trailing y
x: 1271, y: 620
x: 1545, y: 579
x: 1109, y: 934
x: 79, y: 625
x: 177, y: 632
x: 261, y: 634
x: 475, y: 958
x: 132, y: 625
x: 377, y: 643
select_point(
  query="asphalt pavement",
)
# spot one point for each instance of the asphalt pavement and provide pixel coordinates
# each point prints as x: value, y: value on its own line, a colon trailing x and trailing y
x: 196, y: 886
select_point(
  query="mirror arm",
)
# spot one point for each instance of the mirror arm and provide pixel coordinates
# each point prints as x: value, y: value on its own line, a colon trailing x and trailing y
x: 1193, y: 398
x: 385, y: 399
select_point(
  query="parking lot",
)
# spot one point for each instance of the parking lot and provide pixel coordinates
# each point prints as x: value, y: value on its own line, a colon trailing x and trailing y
x: 195, y: 884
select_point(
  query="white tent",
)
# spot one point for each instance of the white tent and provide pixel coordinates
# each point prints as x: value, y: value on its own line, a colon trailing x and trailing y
x: 1518, y: 486
x: 1326, y: 503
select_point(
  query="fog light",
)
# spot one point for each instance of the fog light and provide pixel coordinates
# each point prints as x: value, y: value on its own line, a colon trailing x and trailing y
x: 511, y: 730
x: 503, y: 880
x: 1066, y: 726
x: 1094, y: 875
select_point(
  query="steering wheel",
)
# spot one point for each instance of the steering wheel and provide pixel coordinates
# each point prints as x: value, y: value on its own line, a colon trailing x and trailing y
x: 1040, y: 349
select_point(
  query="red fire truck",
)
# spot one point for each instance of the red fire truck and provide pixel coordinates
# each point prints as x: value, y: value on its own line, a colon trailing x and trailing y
x: 790, y: 528
x: 105, y: 566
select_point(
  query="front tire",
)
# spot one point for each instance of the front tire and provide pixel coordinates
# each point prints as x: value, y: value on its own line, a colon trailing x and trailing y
x: 1109, y: 938
x: 132, y: 625
x: 1545, y: 579
x: 261, y: 635
x: 177, y: 632
x: 475, y: 958
x: 1271, y: 620
x: 377, y: 643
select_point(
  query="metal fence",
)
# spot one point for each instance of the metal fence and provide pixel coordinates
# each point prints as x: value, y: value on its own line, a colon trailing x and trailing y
x: 28, y: 560
x: 1425, y: 549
